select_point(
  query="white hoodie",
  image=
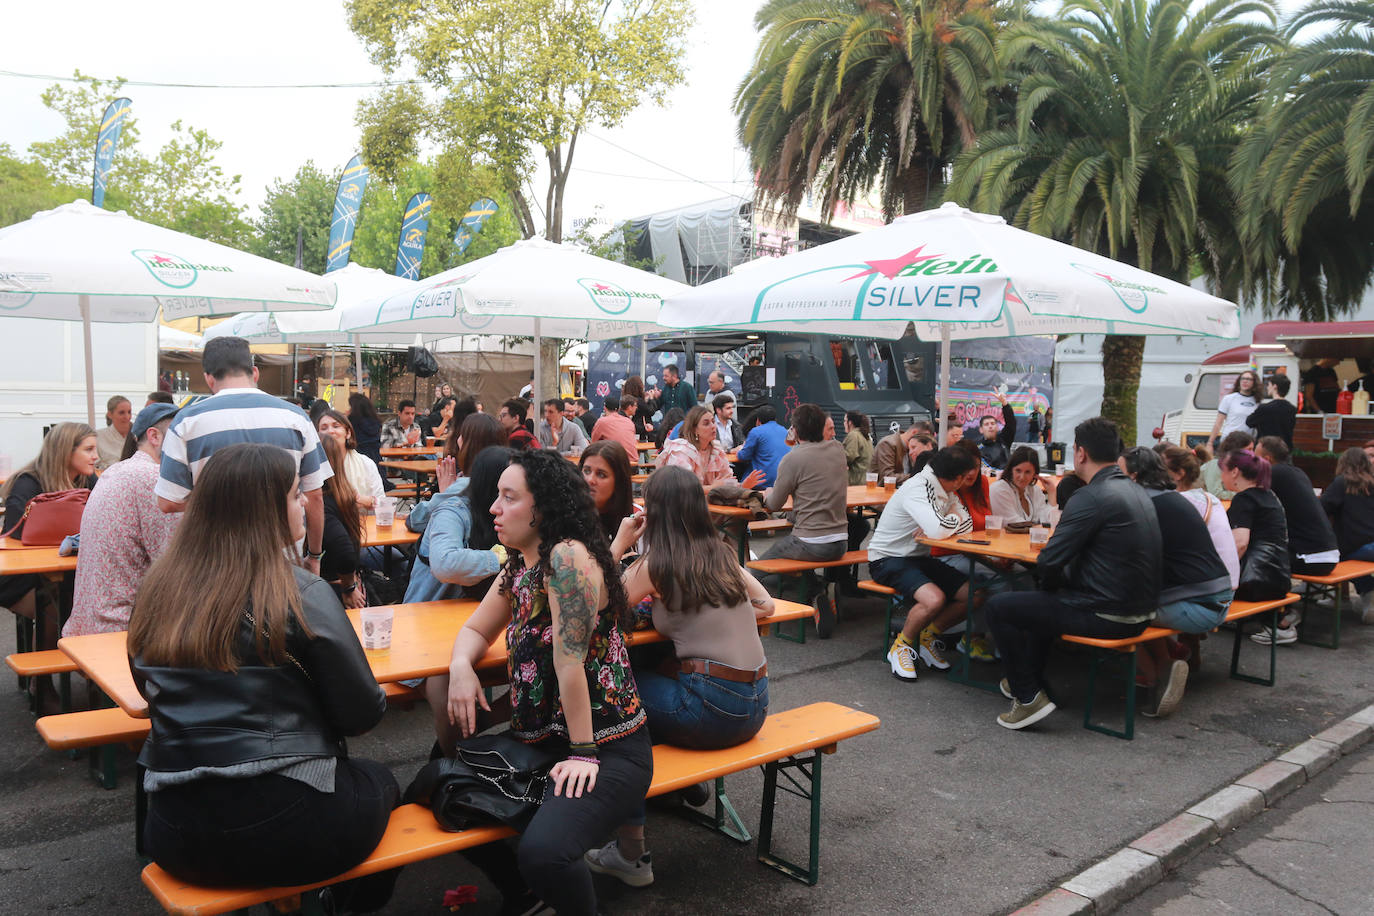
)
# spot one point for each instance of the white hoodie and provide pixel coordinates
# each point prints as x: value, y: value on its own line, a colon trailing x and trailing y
x: 921, y: 503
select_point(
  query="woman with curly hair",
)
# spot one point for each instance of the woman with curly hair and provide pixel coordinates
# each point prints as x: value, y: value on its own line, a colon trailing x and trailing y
x: 561, y: 603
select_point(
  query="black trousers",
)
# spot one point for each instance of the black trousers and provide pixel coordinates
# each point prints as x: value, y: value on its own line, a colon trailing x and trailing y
x: 1025, y: 625
x: 270, y: 830
x: 548, y: 858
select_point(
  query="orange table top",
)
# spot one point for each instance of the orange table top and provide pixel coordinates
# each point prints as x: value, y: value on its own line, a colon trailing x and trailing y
x: 422, y: 637
x: 415, y: 465
x: 407, y: 451
x: 1003, y: 545
x: 398, y: 535
x: 17, y: 560
x: 856, y: 497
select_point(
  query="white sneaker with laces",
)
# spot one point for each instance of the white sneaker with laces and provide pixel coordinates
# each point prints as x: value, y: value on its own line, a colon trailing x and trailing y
x: 1283, y: 636
x: 902, y: 658
x: 608, y: 860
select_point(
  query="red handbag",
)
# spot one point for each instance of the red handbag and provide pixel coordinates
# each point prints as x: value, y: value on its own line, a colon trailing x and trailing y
x: 50, y: 517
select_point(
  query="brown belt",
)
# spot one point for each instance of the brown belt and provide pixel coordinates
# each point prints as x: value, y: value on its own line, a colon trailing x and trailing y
x: 724, y: 672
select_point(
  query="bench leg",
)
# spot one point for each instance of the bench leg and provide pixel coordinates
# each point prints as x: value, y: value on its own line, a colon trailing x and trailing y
x: 1273, y: 654
x: 1129, y: 732
x: 894, y: 604
x: 808, y: 786
x: 23, y: 642
x: 1337, y: 595
x: 725, y: 819
x: 804, y: 597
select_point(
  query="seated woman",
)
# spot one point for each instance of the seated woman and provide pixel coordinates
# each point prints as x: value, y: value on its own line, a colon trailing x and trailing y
x: 229, y: 638
x: 699, y: 452
x: 361, y: 470
x: 479, y: 432
x: 1017, y: 495
x: 1349, y: 501
x: 1195, y: 586
x: 343, y: 531
x: 119, y: 419
x: 66, y: 460
x: 1260, y: 530
x: 367, y: 425
x: 572, y: 692
x: 606, y: 469
x: 715, y: 693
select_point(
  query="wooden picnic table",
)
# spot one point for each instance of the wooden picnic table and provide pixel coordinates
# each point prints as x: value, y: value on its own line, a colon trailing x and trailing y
x: 856, y: 497
x: 408, y: 452
x: 18, y: 560
x: 414, y: 466
x: 398, y: 535
x: 422, y: 637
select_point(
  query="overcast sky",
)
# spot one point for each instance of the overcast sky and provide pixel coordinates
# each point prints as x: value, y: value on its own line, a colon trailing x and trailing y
x: 670, y: 157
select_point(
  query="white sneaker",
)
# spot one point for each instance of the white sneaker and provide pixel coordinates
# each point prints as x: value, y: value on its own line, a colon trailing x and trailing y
x: 902, y: 658
x: 1364, y: 604
x: 608, y: 861
x: 1283, y: 636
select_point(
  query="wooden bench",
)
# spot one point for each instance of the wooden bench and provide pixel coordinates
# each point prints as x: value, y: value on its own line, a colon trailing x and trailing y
x: 769, y: 525
x: 42, y: 663
x: 798, y: 570
x: 791, y: 744
x: 1239, y: 610
x: 894, y: 606
x: 1330, y: 586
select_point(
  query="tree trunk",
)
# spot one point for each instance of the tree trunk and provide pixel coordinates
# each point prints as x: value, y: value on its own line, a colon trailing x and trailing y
x: 548, y: 385
x: 1121, y: 357
x: 522, y: 213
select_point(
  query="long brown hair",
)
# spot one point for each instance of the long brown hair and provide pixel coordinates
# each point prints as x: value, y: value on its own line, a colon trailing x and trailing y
x: 623, y: 499
x: 634, y: 385
x: 229, y: 554
x: 479, y: 431
x: 339, y: 487
x: 689, y: 424
x: 53, y: 466
x: 1355, y: 468
x: 689, y: 564
x: 1184, y: 462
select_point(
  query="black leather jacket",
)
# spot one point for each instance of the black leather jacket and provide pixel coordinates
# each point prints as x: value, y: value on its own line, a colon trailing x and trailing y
x: 203, y: 718
x: 1106, y: 552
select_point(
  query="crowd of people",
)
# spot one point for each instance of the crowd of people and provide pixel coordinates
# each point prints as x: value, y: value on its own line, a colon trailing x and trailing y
x: 227, y: 538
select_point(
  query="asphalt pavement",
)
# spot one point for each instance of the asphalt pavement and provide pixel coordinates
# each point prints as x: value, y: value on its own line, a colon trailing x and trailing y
x: 940, y: 810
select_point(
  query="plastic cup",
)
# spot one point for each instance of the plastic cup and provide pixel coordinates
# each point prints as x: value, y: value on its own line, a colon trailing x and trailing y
x: 890, y: 486
x: 376, y: 627
x: 1059, y: 470
x: 386, y: 512
x: 993, y: 523
x: 1054, y: 517
x: 575, y: 451
x: 1039, y: 537
x: 871, y: 481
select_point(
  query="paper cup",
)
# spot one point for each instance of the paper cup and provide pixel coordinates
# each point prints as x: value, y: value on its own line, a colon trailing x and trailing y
x: 386, y: 512
x: 376, y: 627
x: 993, y: 523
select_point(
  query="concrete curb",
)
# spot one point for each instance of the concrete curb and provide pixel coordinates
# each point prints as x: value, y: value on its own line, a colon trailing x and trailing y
x: 1144, y: 862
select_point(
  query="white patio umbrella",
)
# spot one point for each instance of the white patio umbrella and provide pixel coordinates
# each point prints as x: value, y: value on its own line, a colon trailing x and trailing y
x: 958, y: 275
x: 169, y: 338
x: 81, y: 263
x: 357, y: 285
x: 531, y: 287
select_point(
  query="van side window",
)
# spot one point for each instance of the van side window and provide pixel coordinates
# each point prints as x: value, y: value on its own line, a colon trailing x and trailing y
x: 1209, y: 389
x: 792, y: 366
x: 846, y: 358
x: 884, y: 367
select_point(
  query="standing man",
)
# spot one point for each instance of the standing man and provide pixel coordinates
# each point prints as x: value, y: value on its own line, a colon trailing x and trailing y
x: 556, y: 432
x: 1101, y: 569
x: 715, y: 387
x: 996, y: 445
x: 401, y: 430
x: 675, y: 392
x: 728, y: 432
x: 235, y: 412
x: 511, y: 416
x: 617, y: 427
x: 1276, y: 416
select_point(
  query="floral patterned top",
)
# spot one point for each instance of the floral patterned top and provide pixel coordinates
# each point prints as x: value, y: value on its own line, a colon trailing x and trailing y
x: 536, y: 709
x: 710, y: 470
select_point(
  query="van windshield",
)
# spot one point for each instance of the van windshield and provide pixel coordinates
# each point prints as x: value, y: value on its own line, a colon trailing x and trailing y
x: 847, y: 370
x: 884, y: 367
x: 1211, y: 386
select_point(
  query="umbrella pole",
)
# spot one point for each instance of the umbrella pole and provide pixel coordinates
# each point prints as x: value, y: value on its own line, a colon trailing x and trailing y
x: 944, y: 383
x: 538, y: 364
x: 85, y: 304
x: 357, y: 364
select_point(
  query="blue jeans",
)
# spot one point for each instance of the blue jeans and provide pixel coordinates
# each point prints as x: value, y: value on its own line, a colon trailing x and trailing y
x: 1200, y: 615
x: 700, y: 712
x: 1365, y: 584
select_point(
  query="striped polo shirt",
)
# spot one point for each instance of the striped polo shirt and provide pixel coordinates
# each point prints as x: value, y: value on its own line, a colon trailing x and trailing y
x: 235, y: 415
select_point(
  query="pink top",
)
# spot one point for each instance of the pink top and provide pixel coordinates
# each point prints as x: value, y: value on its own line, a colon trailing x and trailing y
x: 122, y: 532
x: 709, y: 470
x: 618, y: 428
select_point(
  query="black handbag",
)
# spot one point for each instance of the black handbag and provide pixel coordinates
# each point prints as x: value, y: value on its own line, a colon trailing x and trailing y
x: 494, y: 779
x: 1264, y: 572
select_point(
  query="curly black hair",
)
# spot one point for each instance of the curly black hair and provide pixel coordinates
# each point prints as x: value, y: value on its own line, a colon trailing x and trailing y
x: 567, y: 513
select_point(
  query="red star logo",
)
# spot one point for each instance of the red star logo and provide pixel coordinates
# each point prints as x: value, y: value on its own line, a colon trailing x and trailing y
x: 601, y: 287
x: 892, y: 266
x: 159, y: 259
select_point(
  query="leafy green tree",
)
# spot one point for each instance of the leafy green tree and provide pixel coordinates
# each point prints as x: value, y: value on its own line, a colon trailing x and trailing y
x: 1302, y: 173
x: 1127, y: 114
x: 27, y: 187
x: 302, y: 205
x: 852, y: 96
x: 515, y: 80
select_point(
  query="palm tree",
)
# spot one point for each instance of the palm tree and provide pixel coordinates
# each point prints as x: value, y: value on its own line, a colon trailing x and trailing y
x: 1302, y: 173
x: 1127, y: 112
x: 851, y: 96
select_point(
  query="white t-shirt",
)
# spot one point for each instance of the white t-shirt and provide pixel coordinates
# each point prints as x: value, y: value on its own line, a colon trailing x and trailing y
x: 1237, y: 407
